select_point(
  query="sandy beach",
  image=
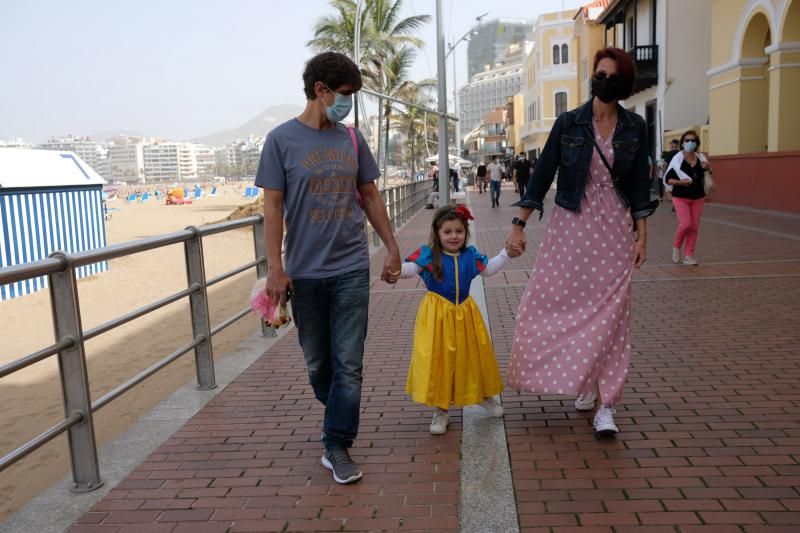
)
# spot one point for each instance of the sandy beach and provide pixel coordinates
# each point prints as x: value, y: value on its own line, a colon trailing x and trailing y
x: 31, y: 399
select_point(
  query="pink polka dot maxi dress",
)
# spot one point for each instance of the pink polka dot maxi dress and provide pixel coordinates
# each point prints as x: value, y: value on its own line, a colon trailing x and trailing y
x: 573, y: 319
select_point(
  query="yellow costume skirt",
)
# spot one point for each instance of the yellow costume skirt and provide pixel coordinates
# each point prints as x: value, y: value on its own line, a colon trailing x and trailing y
x: 453, y: 360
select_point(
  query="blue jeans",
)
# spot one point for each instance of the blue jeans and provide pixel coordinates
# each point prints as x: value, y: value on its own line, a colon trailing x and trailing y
x: 495, y: 191
x: 331, y: 318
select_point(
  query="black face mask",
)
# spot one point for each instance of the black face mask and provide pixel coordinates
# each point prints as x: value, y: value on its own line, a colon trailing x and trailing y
x: 607, y: 89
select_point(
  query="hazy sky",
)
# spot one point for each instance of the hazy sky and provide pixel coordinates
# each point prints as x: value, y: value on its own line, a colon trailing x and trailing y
x: 181, y: 68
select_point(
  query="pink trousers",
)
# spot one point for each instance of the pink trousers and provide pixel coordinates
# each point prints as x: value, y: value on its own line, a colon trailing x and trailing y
x: 688, y: 212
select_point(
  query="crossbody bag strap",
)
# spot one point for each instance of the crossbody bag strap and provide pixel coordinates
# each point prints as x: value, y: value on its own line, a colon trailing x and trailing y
x: 352, y: 133
x: 600, y: 153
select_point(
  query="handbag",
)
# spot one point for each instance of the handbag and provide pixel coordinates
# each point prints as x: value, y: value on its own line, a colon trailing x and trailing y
x: 708, y: 184
x: 352, y: 133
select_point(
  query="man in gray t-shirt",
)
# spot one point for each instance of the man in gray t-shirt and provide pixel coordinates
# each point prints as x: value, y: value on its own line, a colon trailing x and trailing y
x: 316, y: 176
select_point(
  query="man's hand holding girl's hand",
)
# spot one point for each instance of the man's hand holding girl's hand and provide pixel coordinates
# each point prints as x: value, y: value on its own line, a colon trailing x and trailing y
x: 514, y: 251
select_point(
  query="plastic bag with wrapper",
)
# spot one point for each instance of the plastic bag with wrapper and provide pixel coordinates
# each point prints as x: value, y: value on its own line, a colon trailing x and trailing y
x: 273, y: 315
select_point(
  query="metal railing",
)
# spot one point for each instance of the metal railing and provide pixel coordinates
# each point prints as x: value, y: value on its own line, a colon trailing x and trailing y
x: 70, y: 337
x: 401, y: 203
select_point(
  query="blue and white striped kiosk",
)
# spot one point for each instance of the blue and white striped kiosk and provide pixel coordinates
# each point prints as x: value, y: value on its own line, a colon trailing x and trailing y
x: 49, y: 201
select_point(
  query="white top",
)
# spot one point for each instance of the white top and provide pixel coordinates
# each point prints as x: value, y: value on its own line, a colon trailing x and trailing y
x: 495, y: 265
x: 495, y: 171
x: 675, y: 164
x: 29, y: 168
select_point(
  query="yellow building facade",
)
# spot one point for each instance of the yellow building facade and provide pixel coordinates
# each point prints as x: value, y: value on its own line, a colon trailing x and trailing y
x: 754, y: 102
x: 589, y: 38
x: 516, y: 120
x: 550, y: 82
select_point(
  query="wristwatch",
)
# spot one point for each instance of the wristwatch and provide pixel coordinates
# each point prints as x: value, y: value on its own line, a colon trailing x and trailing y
x: 518, y: 222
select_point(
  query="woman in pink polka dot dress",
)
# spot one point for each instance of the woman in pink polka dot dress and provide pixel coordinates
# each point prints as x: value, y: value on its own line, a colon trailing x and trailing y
x: 573, y: 321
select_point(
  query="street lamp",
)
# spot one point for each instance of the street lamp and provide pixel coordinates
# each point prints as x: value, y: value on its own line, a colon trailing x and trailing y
x: 451, y: 48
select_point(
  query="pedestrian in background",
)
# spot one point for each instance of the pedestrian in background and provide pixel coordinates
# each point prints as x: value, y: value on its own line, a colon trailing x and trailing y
x: 495, y: 170
x: 481, y: 177
x: 686, y: 176
x: 522, y: 172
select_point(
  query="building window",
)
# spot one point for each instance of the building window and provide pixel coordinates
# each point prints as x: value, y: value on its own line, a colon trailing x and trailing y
x: 556, y: 55
x: 564, y: 54
x: 561, y: 102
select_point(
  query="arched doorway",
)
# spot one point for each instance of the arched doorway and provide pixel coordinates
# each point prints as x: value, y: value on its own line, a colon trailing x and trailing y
x: 784, y: 81
x: 754, y: 106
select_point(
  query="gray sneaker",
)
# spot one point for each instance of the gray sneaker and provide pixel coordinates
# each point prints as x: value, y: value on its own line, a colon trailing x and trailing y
x: 338, y: 461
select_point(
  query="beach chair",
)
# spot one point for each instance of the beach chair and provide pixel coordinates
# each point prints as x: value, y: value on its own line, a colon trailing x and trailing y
x: 132, y: 197
x: 213, y: 192
x: 145, y: 196
x: 198, y: 193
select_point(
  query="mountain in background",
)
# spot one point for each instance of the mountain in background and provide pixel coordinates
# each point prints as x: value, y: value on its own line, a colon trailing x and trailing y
x: 258, y: 126
x: 110, y: 134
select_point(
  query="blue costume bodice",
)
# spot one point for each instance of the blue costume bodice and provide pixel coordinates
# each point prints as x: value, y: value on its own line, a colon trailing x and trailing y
x: 457, y: 272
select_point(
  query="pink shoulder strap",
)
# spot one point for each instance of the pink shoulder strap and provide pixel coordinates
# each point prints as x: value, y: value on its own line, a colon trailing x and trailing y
x: 352, y: 133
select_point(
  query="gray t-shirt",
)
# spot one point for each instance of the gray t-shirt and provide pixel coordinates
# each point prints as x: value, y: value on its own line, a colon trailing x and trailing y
x: 317, y: 172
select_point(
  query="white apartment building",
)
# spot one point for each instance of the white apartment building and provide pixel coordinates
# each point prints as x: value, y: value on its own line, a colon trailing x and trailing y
x: 187, y: 163
x: 15, y: 142
x: 161, y: 162
x: 230, y: 156
x: 206, y: 161
x: 550, y: 78
x: 91, y: 152
x: 488, y: 91
x: 251, y: 155
x: 671, y: 90
x: 127, y: 161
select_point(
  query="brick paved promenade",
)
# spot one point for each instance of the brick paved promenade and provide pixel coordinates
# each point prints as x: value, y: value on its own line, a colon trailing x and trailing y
x: 710, y: 419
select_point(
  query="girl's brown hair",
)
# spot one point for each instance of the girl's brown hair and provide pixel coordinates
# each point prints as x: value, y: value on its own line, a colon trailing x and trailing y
x: 442, y: 215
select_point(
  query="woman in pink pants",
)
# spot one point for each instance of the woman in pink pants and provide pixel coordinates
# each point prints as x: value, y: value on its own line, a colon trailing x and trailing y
x: 686, y: 174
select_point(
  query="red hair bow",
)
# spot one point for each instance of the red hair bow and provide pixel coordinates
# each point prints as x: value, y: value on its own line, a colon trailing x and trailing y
x: 464, y: 212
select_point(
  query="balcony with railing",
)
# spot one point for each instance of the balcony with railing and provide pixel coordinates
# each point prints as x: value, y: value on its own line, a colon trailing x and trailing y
x: 646, y: 60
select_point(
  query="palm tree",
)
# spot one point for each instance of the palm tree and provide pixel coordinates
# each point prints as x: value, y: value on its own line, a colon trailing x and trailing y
x: 411, y: 120
x: 382, y: 33
x: 388, y: 74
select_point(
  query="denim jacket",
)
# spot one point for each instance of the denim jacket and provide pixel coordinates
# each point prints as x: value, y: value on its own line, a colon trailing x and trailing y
x: 569, y: 151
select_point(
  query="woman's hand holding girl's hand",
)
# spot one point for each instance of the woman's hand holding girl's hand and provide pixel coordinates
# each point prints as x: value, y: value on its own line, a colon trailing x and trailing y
x: 516, y: 242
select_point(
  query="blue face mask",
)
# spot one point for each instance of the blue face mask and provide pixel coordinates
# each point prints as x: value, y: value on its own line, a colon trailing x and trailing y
x: 689, y: 146
x: 342, y: 104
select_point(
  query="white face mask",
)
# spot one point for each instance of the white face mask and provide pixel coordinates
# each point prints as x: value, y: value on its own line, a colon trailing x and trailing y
x: 689, y: 146
x: 342, y: 104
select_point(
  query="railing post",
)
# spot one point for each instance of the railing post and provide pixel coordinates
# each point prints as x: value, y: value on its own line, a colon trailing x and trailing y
x: 393, y: 193
x: 198, y: 302
x: 403, y: 200
x: 261, y: 268
x: 74, y: 377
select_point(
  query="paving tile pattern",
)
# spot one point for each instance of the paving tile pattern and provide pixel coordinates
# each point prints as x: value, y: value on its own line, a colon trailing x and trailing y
x: 250, y: 459
x: 710, y: 428
x: 710, y: 436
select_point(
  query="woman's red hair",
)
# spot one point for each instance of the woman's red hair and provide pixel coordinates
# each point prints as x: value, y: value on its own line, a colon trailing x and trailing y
x: 626, y: 68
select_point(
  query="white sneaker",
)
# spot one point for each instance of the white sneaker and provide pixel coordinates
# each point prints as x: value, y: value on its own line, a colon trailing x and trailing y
x: 587, y: 401
x: 439, y: 422
x: 689, y: 261
x: 676, y: 255
x: 604, y: 422
x: 492, y: 407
